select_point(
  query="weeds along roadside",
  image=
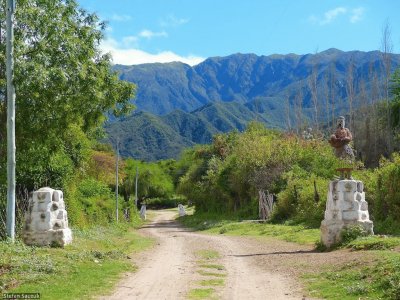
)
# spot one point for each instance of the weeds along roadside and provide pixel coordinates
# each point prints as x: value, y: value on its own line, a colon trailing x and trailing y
x: 89, y: 266
x: 375, y: 274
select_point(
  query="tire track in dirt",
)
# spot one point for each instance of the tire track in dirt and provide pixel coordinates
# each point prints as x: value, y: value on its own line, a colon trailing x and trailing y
x: 169, y: 270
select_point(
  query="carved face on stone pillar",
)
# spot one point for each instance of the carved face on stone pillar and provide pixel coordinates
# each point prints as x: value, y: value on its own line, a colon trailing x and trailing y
x: 341, y: 122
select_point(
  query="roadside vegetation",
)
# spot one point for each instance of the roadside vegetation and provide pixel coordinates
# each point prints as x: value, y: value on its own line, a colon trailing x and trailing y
x: 66, y: 89
x: 223, y: 181
x: 61, y: 114
x: 376, y: 279
x: 90, y: 266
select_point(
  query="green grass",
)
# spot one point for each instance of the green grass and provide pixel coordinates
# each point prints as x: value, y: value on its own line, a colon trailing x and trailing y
x: 91, y: 265
x: 205, y: 273
x: 374, y: 242
x: 201, y: 293
x: 208, y: 259
x: 212, y: 282
x: 218, y: 225
x: 378, y: 279
x: 208, y: 254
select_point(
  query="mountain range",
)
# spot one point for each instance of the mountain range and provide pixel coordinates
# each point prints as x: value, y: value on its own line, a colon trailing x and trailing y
x: 179, y: 105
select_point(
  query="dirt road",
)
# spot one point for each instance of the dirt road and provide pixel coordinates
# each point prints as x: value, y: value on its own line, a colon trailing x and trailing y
x: 246, y: 268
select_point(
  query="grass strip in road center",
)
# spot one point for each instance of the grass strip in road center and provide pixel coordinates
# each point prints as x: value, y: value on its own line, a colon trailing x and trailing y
x: 208, y: 254
x: 212, y: 282
x: 201, y: 293
x: 208, y: 257
x: 205, y: 273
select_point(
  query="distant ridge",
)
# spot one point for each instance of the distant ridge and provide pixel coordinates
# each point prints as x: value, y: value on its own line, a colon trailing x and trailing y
x: 151, y: 137
x: 184, y: 105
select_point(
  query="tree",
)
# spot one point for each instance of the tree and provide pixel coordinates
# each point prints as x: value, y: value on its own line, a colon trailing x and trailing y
x: 64, y: 86
x: 350, y: 93
x: 298, y: 102
x: 395, y: 104
x: 312, y: 84
x: 287, y: 113
x: 332, y: 87
x: 154, y: 180
x: 387, y: 47
x: 326, y: 97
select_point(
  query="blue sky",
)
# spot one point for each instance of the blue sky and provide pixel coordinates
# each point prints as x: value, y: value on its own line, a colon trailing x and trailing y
x: 142, y: 31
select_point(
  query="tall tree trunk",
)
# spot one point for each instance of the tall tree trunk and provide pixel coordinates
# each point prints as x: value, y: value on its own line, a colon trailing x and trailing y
x: 332, y: 85
x: 326, y: 96
x: 350, y: 95
x: 387, y: 48
x: 287, y: 113
x: 312, y: 84
x: 299, y: 111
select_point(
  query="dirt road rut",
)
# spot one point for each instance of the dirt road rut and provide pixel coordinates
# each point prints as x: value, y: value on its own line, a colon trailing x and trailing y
x: 173, y: 269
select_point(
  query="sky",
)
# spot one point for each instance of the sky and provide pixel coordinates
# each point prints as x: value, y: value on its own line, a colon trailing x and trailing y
x: 147, y: 31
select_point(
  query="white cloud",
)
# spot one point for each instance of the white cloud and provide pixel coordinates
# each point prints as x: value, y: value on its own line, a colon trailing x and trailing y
x: 332, y: 14
x: 135, y: 56
x: 121, y: 18
x: 354, y: 15
x: 129, y: 41
x: 172, y: 21
x: 357, y: 14
x: 148, y: 34
x: 133, y: 40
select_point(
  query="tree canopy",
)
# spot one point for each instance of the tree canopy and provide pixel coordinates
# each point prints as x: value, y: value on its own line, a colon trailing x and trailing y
x: 64, y: 86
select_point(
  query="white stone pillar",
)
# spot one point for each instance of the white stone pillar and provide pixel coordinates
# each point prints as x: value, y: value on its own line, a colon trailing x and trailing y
x: 46, y: 222
x: 143, y: 212
x: 181, y: 210
x: 345, y: 206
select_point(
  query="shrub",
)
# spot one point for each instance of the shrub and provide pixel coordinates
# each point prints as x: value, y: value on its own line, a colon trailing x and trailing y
x: 300, y: 201
x: 351, y: 233
x: 90, y: 202
x: 386, y: 208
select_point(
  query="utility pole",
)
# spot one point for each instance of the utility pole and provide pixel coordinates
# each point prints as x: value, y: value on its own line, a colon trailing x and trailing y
x: 116, y: 182
x: 11, y: 161
x: 136, y: 186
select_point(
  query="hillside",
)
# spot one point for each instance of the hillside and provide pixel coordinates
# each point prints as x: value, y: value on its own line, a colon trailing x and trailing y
x: 181, y: 105
x: 151, y: 137
x: 244, y: 78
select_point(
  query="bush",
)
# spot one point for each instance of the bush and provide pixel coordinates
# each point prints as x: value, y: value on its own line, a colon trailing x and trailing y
x: 386, y: 208
x: 90, y: 202
x: 225, y: 177
x: 351, y: 233
x: 160, y: 203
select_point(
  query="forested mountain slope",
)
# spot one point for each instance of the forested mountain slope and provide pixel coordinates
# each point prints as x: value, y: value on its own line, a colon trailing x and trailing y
x: 181, y: 105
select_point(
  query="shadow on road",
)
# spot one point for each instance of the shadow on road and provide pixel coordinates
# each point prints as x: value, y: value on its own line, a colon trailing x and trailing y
x: 167, y: 224
x: 276, y: 253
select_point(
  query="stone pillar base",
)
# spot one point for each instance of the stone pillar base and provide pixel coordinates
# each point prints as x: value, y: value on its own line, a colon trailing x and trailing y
x: 345, y: 207
x: 54, y: 238
x: 46, y: 221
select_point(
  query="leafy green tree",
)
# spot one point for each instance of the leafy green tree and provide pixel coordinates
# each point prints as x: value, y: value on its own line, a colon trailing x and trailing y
x: 226, y: 177
x: 64, y: 86
x: 153, y: 181
x: 395, y: 105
